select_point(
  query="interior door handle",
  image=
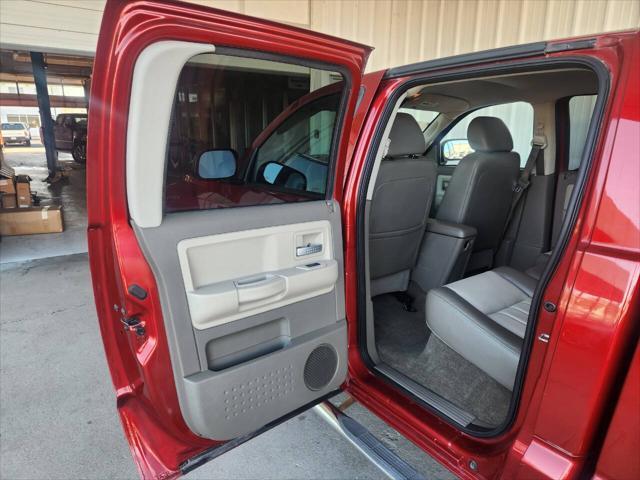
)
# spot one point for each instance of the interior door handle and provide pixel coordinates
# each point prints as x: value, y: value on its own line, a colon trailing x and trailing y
x: 260, y: 288
x: 308, y: 249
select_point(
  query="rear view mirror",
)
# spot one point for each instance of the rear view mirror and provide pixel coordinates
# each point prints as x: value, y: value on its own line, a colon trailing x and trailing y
x: 281, y: 175
x: 216, y: 164
x: 454, y: 150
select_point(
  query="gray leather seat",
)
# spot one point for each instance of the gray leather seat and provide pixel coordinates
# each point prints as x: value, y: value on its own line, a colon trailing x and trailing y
x: 537, y: 270
x: 483, y: 318
x: 399, y: 208
x: 481, y: 187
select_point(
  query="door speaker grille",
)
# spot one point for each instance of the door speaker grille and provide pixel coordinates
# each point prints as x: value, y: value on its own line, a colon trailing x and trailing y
x: 320, y: 367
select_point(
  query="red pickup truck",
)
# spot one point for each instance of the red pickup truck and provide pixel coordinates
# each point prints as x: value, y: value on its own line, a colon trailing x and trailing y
x: 269, y: 226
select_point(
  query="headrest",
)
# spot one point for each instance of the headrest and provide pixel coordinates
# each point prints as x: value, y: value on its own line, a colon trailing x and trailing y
x: 489, y: 134
x: 406, y: 137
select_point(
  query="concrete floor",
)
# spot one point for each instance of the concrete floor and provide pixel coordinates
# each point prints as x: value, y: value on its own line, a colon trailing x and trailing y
x: 70, y: 192
x: 58, y: 416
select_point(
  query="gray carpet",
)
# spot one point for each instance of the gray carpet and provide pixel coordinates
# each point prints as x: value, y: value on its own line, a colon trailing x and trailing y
x: 404, y: 342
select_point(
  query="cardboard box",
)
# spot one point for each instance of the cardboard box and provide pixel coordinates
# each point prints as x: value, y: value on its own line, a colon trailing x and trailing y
x: 8, y: 200
x: 7, y: 186
x: 23, y: 191
x: 31, y: 220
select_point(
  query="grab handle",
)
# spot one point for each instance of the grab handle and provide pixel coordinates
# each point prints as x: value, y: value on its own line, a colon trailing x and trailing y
x: 260, y: 288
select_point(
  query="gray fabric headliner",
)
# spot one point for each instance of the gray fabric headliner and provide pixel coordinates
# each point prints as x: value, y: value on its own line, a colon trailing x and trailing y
x: 532, y: 87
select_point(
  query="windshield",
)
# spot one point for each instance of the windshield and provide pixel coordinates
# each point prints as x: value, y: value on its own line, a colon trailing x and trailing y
x: 13, y: 126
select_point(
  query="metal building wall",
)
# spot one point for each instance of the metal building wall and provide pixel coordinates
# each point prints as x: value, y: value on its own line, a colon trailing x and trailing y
x: 402, y: 31
x: 407, y: 31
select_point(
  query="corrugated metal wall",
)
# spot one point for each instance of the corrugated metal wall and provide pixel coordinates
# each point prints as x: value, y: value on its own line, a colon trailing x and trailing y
x: 402, y: 31
x: 406, y: 31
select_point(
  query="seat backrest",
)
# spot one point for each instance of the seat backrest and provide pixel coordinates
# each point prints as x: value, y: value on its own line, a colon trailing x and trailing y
x: 566, y: 183
x: 399, y: 208
x: 481, y: 188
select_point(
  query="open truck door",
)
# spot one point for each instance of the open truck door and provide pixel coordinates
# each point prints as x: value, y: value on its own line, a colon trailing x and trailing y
x: 217, y: 322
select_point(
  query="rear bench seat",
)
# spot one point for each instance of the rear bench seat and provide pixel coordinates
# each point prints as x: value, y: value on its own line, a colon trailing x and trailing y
x: 483, y: 318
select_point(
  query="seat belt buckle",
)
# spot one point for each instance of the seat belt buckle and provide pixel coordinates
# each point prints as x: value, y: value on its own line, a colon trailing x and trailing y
x: 521, y: 185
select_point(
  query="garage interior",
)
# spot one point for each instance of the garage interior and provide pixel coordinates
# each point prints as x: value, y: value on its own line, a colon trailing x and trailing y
x: 41, y: 177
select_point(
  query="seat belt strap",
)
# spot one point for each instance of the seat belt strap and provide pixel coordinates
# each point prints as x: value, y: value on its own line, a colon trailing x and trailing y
x: 538, y: 144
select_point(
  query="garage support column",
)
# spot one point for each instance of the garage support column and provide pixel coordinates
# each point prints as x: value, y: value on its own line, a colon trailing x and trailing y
x: 48, y: 140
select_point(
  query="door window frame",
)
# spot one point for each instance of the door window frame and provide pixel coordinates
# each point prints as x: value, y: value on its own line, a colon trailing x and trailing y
x: 147, y: 206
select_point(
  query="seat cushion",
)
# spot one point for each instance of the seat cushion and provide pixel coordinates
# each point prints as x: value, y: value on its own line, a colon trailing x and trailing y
x: 483, y: 318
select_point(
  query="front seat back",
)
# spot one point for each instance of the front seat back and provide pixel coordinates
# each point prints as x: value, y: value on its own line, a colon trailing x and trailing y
x: 399, y: 207
x: 481, y: 187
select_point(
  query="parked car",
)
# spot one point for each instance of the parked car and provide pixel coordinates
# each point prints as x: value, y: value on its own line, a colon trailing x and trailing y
x: 489, y: 311
x: 16, y: 133
x: 70, y: 132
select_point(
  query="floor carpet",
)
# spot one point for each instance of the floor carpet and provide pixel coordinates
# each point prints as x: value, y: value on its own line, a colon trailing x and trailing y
x: 404, y: 342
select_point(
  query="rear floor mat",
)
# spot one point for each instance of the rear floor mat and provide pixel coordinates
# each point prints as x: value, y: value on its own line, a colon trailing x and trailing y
x: 404, y: 342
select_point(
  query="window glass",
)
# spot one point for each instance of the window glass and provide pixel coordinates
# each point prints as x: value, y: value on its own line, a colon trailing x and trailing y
x: 27, y: 88
x: 580, y: 112
x: 8, y: 87
x: 33, y: 121
x: 55, y: 89
x: 247, y: 132
x: 423, y: 117
x: 517, y: 116
x: 302, y: 142
x: 73, y: 90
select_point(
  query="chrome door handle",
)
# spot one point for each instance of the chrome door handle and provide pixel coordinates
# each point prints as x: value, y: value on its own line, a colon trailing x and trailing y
x: 308, y: 249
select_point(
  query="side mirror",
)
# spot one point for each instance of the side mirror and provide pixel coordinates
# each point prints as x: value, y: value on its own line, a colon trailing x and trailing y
x: 275, y: 173
x: 216, y: 164
x: 455, y: 149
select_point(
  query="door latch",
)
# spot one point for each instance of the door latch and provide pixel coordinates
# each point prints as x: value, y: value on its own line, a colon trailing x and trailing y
x: 133, y: 324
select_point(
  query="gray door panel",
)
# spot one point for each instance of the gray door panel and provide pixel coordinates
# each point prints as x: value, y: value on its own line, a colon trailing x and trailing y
x: 234, y: 377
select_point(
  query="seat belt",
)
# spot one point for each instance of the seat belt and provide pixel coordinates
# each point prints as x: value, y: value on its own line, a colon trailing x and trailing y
x: 538, y: 144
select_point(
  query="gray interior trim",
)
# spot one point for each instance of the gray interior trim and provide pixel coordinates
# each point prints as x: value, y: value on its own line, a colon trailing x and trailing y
x: 203, y: 392
x: 369, y: 318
